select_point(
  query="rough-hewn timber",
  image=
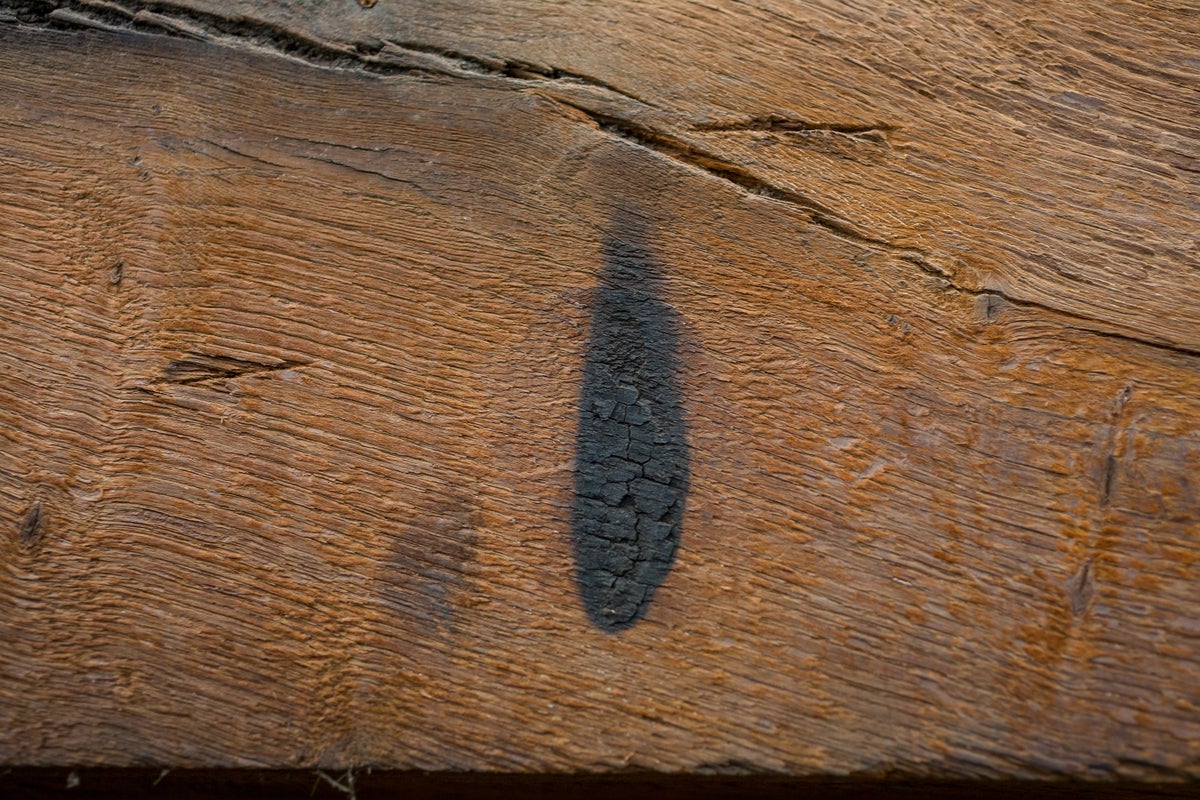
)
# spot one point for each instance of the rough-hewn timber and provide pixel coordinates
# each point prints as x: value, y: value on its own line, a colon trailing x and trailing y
x: 294, y: 305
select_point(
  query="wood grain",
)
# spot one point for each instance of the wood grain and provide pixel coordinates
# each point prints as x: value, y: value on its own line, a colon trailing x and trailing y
x: 294, y: 320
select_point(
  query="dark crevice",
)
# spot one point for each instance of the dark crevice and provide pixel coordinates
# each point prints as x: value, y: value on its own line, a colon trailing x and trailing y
x: 163, y: 18
x: 777, y: 122
x: 239, y: 153
x: 170, y: 20
x: 556, y: 74
x: 679, y: 150
x: 1109, y: 472
x: 508, y: 68
x: 1106, y: 481
x: 383, y: 58
x: 316, y: 157
x: 714, y: 165
x: 1169, y: 347
x: 360, y: 170
x: 73, y: 19
x: 198, y: 368
x: 1081, y: 588
x: 30, y: 531
x: 1101, y: 328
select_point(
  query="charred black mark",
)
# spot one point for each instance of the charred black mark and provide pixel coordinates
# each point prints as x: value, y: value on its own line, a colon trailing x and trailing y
x: 30, y: 531
x: 631, y: 472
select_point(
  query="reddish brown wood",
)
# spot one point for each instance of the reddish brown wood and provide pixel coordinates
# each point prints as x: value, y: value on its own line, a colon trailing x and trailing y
x: 293, y: 319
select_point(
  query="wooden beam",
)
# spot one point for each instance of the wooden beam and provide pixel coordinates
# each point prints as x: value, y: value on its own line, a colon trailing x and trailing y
x: 299, y: 304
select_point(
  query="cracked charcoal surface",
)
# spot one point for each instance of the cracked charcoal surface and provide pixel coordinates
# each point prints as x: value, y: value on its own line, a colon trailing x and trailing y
x: 631, y: 476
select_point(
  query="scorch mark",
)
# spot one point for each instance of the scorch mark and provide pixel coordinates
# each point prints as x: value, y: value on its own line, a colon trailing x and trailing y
x: 632, y: 471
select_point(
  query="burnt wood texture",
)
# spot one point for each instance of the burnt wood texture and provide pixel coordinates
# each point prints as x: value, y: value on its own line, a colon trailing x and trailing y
x: 631, y: 454
x: 799, y: 388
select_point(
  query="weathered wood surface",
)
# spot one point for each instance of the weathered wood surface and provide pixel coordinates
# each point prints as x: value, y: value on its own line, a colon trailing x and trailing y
x: 294, y: 307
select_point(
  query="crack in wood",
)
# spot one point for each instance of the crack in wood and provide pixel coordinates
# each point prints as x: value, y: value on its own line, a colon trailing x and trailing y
x: 167, y: 19
x: 200, y: 368
x: 687, y: 153
x: 1109, y: 472
x: 1092, y: 326
x: 162, y: 18
x: 1081, y: 588
x: 779, y: 122
x: 31, y: 529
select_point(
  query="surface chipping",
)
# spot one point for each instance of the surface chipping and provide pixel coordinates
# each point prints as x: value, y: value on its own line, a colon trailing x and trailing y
x: 631, y: 476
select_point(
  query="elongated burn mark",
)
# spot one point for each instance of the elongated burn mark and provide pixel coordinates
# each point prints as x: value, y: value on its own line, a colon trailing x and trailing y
x: 631, y: 470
